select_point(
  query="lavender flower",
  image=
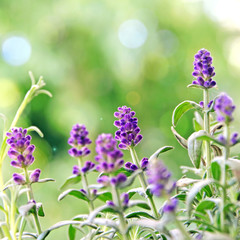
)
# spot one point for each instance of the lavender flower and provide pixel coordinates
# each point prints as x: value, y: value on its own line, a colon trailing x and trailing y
x: 78, y: 140
x: 76, y: 170
x: 104, y: 180
x: 170, y: 206
x: 19, y: 179
x: 159, y: 178
x: 34, y: 177
x: 20, y: 148
x: 120, y: 178
x: 203, y: 69
x: 224, y: 108
x: 109, y: 157
x: 128, y: 133
x: 88, y: 166
x: 130, y: 166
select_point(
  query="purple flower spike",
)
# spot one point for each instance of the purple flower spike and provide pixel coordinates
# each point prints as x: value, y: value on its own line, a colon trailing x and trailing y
x: 109, y: 157
x: 128, y: 130
x: 224, y: 108
x: 170, y: 206
x: 159, y: 178
x: 78, y: 140
x: 20, y: 149
x: 203, y: 70
x: 18, y: 179
x: 34, y: 177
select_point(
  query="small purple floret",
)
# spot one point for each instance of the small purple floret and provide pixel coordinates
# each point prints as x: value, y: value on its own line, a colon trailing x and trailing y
x: 203, y: 70
x: 18, y: 179
x: 131, y: 167
x: 76, y: 170
x: 128, y: 130
x: 234, y: 138
x: 170, y: 206
x: 125, y: 199
x: 88, y: 166
x: 34, y: 177
x: 224, y: 108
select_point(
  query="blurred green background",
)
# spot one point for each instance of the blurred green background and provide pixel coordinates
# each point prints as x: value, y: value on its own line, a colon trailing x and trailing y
x: 96, y: 55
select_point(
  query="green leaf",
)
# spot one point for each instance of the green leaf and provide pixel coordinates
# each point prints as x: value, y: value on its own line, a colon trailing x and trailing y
x: 184, y: 182
x: 140, y: 204
x: 195, y: 86
x: 71, y: 232
x: 40, y: 210
x: 24, y: 210
x: 215, y: 127
x: 70, y: 181
x: 195, y: 148
x: 181, y: 109
x: 216, y: 170
x: 182, y: 141
x: 197, y: 127
x: 208, y: 138
x: 160, y: 151
x: 217, y: 151
x: 123, y: 170
x: 75, y: 193
x: 45, y: 180
x: 197, y: 187
x: 104, y: 196
x: 130, y: 180
x: 44, y: 234
x: 100, y: 209
x: 35, y: 129
x: 139, y: 191
x: 205, y: 205
x: 139, y: 214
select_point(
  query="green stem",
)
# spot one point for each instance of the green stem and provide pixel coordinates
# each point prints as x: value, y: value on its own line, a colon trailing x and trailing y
x: 182, y: 229
x: 226, y: 153
x: 13, y: 213
x: 31, y: 197
x: 85, y: 185
x: 144, y: 183
x: 21, y: 229
x: 207, y: 129
x: 6, y: 232
x: 117, y: 201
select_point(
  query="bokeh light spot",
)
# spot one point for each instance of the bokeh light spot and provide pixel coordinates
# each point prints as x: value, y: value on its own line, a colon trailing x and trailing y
x: 16, y: 50
x: 133, y: 98
x: 132, y: 33
x: 169, y: 42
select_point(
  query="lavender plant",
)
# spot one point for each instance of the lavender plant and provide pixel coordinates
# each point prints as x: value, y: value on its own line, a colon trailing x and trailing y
x: 133, y: 199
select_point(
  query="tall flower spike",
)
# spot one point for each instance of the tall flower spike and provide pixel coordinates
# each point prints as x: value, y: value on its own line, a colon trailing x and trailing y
x: 159, y: 178
x: 203, y: 69
x: 128, y: 133
x: 109, y: 157
x: 224, y: 108
x: 21, y: 149
x: 78, y: 140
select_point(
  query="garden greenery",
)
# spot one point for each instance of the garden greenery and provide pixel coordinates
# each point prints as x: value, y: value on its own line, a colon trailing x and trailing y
x: 203, y: 207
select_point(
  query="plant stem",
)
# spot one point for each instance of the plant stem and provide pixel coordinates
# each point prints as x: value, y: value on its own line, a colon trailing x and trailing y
x: 85, y: 185
x: 182, y: 229
x: 207, y: 129
x: 226, y: 153
x: 144, y: 183
x: 116, y: 199
x: 22, y: 226
x: 12, y: 213
x: 31, y: 197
